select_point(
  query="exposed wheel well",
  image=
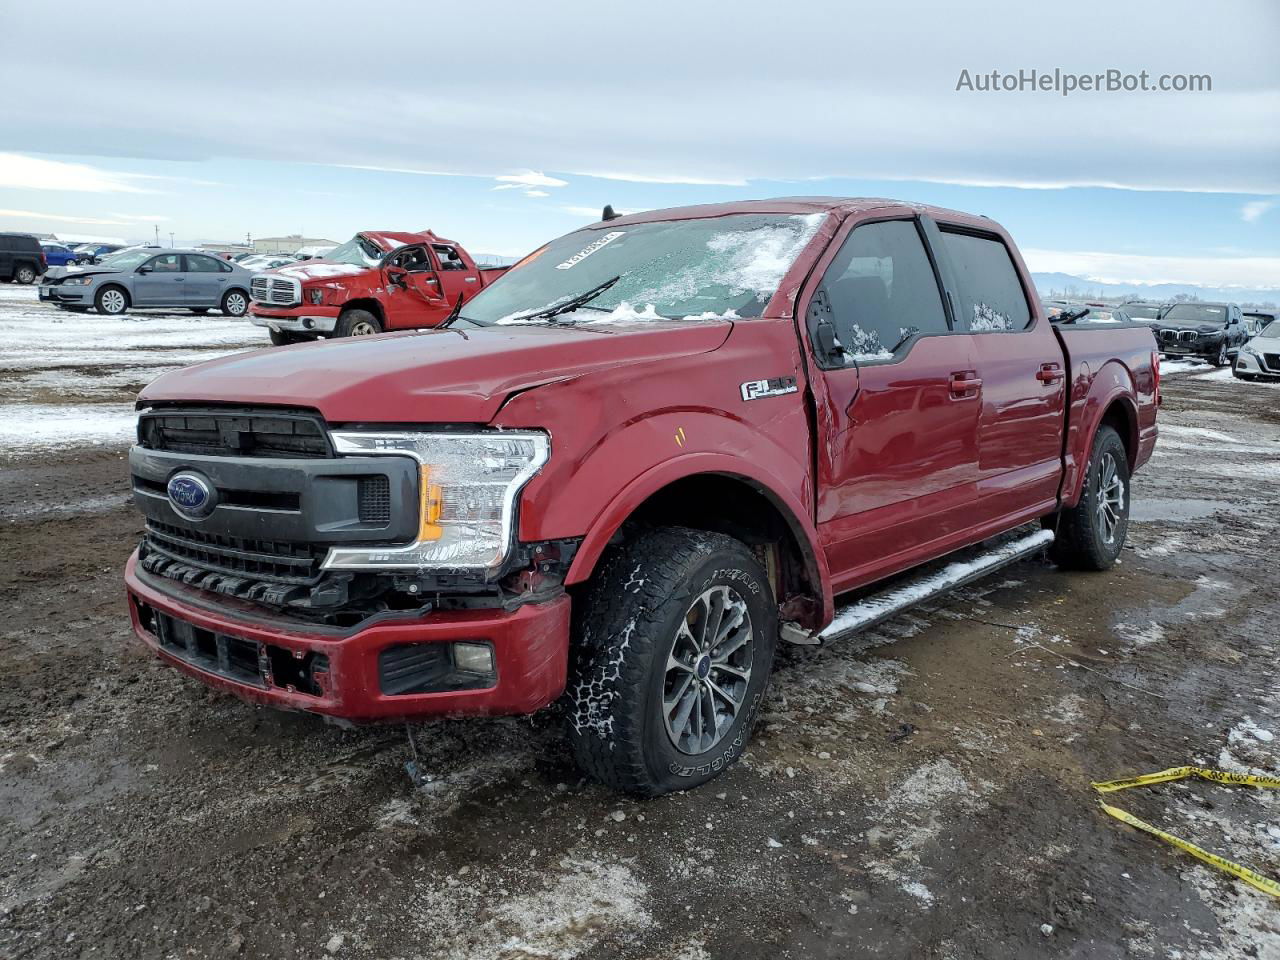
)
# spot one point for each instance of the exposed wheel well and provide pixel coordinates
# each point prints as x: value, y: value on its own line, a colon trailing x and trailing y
x: 368, y: 303
x: 1121, y: 418
x: 739, y: 508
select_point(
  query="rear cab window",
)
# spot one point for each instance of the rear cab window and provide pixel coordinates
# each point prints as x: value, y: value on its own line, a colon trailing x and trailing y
x: 991, y: 296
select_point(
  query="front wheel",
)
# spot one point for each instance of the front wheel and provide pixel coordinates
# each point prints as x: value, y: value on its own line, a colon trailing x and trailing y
x: 25, y: 274
x: 235, y: 303
x: 111, y: 301
x: 673, y: 646
x: 282, y: 338
x: 1223, y: 358
x: 357, y: 323
x: 1091, y: 534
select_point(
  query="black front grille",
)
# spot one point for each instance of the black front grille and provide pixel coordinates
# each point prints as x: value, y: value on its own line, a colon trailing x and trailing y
x: 274, y: 561
x: 241, y: 433
x: 240, y: 659
x: 375, y: 499
x: 1272, y: 361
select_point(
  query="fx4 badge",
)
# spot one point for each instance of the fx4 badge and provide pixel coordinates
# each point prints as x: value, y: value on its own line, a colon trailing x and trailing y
x: 755, y: 389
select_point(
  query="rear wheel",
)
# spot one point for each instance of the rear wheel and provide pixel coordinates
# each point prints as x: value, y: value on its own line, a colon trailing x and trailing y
x: 357, y: 323
x: 673, y: 645
x: 111, y: 301
x: 25, y: 273
x: 235, y: 303
x: 1091, y: 534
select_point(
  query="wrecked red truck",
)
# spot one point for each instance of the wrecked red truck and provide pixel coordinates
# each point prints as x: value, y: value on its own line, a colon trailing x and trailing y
x: 625, y: 470
x: 377, y: 281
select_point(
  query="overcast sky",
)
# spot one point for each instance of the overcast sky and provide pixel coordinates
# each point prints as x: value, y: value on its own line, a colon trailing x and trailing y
x: 221, y: 119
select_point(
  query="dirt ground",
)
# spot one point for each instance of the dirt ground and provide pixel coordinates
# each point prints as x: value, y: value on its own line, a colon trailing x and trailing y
x: 919, y: 792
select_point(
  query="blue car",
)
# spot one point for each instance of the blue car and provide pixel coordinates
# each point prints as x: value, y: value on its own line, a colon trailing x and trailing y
x: 57, y: 254
x: 93, y: 252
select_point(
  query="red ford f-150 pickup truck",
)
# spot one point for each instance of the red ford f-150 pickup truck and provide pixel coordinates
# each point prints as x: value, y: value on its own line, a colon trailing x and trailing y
x: 377, y: 281
x: 624, y: 470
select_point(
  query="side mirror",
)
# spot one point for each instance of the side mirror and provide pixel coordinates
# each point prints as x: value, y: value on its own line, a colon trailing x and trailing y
x: 396, y: 275
x: 145, y: 269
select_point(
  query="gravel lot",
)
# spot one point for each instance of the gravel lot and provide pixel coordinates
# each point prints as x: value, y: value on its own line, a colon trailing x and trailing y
x: 922, y: 791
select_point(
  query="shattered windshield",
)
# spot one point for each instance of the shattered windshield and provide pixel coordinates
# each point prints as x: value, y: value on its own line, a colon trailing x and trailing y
x: 359, y: 251
x: 716, y: 267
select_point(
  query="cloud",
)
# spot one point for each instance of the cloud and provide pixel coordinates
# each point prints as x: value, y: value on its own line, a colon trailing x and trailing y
x: 1254, y: 209
x: 536, y: 193
x: 35, y: 173
x: 529, y: 178
x: 1138, y: 268
x: 142, y: 217
x: 59, y: 218
x: 670, y: 178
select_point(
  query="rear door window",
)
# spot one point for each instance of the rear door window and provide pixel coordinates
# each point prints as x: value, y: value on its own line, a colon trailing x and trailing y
x: 992, y: 298
x: 881, y: 292
x: 202, y: 264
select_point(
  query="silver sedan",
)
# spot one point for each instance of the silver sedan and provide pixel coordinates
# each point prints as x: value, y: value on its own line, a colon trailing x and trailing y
x: 190, y: 279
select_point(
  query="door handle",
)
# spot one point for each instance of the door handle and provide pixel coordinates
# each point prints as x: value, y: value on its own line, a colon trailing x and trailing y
x: 1050, y: 373
x: 965, y: 383
x: 470, y: 279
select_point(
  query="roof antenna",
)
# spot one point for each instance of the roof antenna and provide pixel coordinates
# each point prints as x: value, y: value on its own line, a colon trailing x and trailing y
x: 609, y: 213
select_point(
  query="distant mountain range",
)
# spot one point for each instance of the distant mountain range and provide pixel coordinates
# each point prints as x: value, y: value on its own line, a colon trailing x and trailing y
x: 1060, y: 284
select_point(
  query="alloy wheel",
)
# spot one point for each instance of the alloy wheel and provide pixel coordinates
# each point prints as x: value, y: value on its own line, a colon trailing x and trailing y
x: 113, y: 301
x: 1110, y: 507
x: 708, y: 671
x: 236, y: 304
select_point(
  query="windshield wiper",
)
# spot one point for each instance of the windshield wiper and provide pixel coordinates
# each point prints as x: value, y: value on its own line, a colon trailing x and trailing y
x: 581, y: 300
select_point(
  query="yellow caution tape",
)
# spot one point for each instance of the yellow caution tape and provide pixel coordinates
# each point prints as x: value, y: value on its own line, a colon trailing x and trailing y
x: 1181, y: 773
x: 1252, y: 877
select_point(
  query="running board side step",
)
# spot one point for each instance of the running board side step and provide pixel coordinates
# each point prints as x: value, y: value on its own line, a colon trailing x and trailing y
x: 878, y: 607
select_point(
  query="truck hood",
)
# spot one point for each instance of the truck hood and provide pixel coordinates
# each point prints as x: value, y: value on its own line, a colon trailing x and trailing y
x: 429, y: 376
x: 318, y: 269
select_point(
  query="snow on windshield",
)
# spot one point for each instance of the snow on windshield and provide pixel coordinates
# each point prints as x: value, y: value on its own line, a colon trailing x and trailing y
x: 702, y: 269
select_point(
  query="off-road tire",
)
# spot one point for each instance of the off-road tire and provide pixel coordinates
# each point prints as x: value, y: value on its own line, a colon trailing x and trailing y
x: 1081, y: 542
x: 282, y: 338
x: 110, y: 309
x: 357, y: 323
x: 25, y: 273
x: 235, y: 303
x: 623, y: 632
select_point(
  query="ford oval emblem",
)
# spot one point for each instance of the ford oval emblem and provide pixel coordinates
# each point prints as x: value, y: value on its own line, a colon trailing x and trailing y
x: 191, y: 495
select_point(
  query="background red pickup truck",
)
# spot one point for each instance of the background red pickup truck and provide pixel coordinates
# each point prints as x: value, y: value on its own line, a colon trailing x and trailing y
x: 378, y: 280
x: 624, y: 469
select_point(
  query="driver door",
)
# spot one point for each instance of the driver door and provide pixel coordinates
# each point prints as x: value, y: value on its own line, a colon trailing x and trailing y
x: 412, y: 287
x: 160, y: 282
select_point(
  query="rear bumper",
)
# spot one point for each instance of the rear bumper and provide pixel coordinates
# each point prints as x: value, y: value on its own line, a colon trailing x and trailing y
x: 302, y: 319
x: 530, y: 651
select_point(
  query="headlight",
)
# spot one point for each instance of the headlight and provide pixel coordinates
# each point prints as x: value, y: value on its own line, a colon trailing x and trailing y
x: 1245, y: 348
x: 78, y: 281
x: 467, y: 491
x: 315, y: 295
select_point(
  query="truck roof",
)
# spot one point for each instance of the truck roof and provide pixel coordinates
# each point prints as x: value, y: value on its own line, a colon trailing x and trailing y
x: 795, y: 205
x: 390, y: 239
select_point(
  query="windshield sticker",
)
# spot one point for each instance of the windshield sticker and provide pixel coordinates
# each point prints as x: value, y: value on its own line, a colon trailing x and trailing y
x: 587, y: 251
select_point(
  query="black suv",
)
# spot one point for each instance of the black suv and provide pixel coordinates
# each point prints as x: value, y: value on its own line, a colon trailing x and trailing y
x: 21, y: 258
x: 1210, y: 331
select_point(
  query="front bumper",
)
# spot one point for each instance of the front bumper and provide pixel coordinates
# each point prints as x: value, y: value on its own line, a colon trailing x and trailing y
x: 310, y: 318
x: 1253, y: 366
x: 343, y: 679
x: 60, y: 293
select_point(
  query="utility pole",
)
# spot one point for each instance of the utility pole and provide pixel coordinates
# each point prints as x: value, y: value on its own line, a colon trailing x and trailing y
x: 157, y: 234
x: 171, y: 238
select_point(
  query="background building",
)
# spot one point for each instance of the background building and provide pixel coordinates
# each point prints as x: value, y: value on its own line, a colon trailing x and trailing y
x: 290, y: 244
